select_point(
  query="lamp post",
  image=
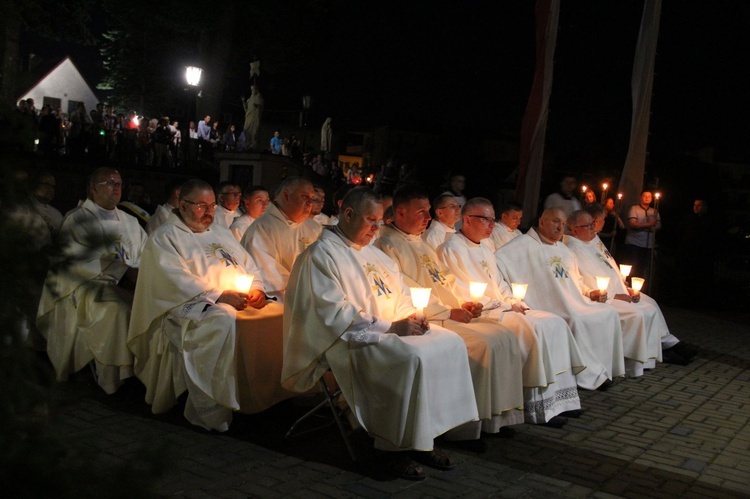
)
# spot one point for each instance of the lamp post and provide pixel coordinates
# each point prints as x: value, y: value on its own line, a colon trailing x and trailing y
x: 193, y: 78
x: 306, y: 103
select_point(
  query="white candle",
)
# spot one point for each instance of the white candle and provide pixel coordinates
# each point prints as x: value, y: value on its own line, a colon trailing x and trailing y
x: 602, y: 283
x: 476, y: 290
x: 625, y: 270
x: 420, y: 297
x: 243, y: 282
x: 637, y: 283
x: 519, y: 290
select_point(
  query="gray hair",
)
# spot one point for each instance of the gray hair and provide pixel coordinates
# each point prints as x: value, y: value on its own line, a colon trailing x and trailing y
x: 194, y: 185
x: 471, y: 203
x: 358, y: 198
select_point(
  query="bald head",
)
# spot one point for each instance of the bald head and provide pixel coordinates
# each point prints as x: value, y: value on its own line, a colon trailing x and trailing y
x: 295, y: 198
x: 360, y: 215
x: 552, y: 225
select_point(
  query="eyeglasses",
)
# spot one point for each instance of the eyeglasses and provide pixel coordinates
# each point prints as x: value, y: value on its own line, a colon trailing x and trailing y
x: 489, y: 220
x: 110, y: 184
x: 202, y: 206
x: 588, y: 226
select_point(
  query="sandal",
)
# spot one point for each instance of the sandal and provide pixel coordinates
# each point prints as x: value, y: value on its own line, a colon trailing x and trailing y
x: 434, y: 459
x: 400, y: 465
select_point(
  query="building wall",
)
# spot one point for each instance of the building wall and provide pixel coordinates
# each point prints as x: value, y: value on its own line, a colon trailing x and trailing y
x: 65, y: 83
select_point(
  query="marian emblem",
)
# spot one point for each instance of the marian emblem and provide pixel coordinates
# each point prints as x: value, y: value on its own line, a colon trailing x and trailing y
x: 604, y: 259
x: 378, y: 284
x: 217, y: 251
x: 121, y: 252
x: 434, y: 272
x: 557, y: 264
x: 486, y: 268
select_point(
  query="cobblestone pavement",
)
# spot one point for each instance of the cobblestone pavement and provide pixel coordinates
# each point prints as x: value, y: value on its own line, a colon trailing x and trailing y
x: 678, y: 431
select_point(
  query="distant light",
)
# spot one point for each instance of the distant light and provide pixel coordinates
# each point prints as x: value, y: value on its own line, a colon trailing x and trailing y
x: 193, y: 75
x: 306, y: 101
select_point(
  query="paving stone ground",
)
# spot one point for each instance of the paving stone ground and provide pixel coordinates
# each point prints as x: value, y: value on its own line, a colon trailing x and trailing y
x: 678, y: 431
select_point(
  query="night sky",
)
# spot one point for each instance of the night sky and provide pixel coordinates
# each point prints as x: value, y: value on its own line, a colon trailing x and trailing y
x: 470, y: 64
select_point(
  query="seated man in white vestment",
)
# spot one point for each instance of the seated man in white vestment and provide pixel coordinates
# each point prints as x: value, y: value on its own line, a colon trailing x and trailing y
x: 447, y: 214
x: 183, y: 327
x: 494, y: 355
x: 348, y: 308
x: 539, y: 259
x: 282, y: 233
x: 316, y: 213
x: 636, y: 309
x: 85, y: 308
x: 255, y: 200
x: 228, y: 195
x: 164, y: 210
x: 550, y: 356
x: 506, y: 228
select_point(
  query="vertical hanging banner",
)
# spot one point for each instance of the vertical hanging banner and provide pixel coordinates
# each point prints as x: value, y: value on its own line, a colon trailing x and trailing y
x: 631, y: 181
x: 534, y: 124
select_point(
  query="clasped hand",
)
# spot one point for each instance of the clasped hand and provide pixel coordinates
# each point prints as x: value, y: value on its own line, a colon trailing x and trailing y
x: 240, y: 301
x: 411, y: 326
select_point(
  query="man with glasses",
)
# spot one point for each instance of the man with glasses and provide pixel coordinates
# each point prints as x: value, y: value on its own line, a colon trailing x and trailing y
x: 644, y: 330
x: 282, y: 233
x: 229, y: 195
x: 348, y: 308
x: 541, y: 260
x: 550, y: 356
x: 316, y: 213
x: 506, y: 228
x: 183, y: 327
x: 447, y: 214
x: 85, y: 308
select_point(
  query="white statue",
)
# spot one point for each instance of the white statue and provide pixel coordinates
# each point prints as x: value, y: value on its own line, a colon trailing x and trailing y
x: 325, y: 136
x: 253, y: 111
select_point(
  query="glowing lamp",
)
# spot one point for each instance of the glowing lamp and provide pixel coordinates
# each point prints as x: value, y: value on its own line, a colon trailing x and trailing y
x: 584, y: 188
x: 476, y: 290
x: 637, y: 283
x: 420, y: 297
x: 243, y: 282
x: 519, y: 290
x: 602, y: 283
x: 193, y: 75
x: 625, y: 270
x: 605, y: 186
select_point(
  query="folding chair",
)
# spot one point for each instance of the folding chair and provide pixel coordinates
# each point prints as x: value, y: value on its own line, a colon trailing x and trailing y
x: 329, y: 399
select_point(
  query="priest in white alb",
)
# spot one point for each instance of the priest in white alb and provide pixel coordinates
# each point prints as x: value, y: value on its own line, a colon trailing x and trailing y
x: 85, y: 308
x: 447, y: 214
x: 282, y: 233
x: 550, y: 355
x: 541, y: 260
x: 348, y: 308
x: 637, y: 310
x: 228, y: 195
x: 255, y: 200
x: 494, y: 355
x: 164, y: 210
x: 183, y: 327
x: 506, y: 228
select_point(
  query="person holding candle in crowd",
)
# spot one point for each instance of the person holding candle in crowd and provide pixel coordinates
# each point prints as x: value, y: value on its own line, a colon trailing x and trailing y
x: 495, y: 357
x: 642, y: 223
x: 348, y: 308
x: 565, y: 199
x: 540, y: 259
x: 611, y: 224
x: 636, y: 309
x: 550, y: 354
x: 282, y: 233
x: 182, y: 330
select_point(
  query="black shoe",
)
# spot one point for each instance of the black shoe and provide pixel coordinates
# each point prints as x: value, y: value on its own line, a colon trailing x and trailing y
x: 671, y: 357
x: 685, y: 350
x: 556, y: 422
x: 605, y: 386
x: 479, y: 445
x: 504, y: 432
x: 575, y: 414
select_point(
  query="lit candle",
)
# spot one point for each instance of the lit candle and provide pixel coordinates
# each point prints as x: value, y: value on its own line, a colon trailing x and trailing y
x: 476, y: 290
x: 243, y: 282
x: 625, y: 270
x: 420, y: 297
x: 602, y: 283
x: 619, y: 202
x: 637, y: 283
x: 584, y: 188
x: 519, y: 290
x: 605, y: 186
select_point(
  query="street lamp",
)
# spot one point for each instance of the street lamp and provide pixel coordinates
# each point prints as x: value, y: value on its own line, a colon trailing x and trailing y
x: 193, y: 75
x: 306, y: 102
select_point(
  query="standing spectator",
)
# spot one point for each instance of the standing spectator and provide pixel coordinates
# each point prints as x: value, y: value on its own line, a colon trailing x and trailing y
x: 230, y: 139
x: 162, y: 141
x: 276, y: 142
x: 642, y: 223
x: 204, y: 137
x: 456, y: 186
x: 564, y: 199
x: 80, y: 123
x: 49, y: 127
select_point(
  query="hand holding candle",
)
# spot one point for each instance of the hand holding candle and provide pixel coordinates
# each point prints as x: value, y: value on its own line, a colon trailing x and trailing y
x: 637, y: 284
x: 476, y: 290
x: 519, y: 290
x: 243, y: 282
x: 420, y: 297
